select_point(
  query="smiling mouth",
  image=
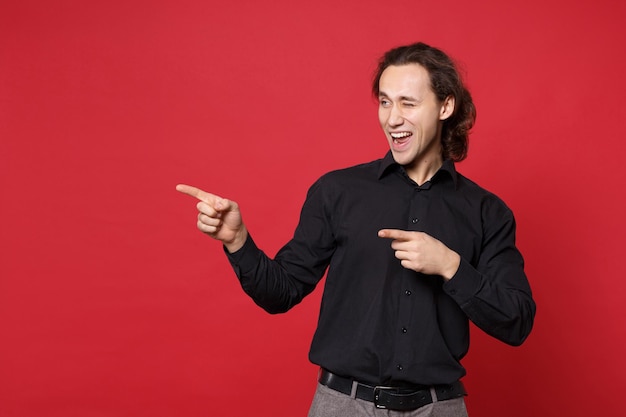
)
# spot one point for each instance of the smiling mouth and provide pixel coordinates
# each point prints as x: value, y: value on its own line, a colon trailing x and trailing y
x: 399, y: 137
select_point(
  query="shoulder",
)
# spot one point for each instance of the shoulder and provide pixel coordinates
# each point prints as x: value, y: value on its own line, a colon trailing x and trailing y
x: 335, y: 186
x: 490, y: 203
x: 352, y: 175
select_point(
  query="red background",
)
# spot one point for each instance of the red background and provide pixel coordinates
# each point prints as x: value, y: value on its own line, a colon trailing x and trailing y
x: 111, y: 302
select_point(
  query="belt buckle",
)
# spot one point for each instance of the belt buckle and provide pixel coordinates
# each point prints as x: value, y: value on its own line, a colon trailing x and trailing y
x: 377, y: 390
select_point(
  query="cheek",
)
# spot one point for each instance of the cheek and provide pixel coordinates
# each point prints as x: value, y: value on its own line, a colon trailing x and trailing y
x: 425, y: 121
x: 382, y: 117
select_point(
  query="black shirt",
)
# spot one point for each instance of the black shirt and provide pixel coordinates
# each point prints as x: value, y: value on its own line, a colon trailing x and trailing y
x: 379, y: 322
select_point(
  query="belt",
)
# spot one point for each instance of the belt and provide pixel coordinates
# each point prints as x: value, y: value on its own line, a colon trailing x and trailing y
x: 392, y: 398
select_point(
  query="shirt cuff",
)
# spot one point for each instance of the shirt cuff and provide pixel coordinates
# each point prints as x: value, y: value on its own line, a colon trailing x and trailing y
x: 246, y: 258
x: 464, y: 284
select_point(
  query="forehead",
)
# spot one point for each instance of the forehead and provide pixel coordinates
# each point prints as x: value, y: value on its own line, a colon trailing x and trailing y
x: 409, y: 79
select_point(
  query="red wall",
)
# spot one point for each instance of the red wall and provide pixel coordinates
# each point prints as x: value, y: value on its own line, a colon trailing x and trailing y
x: 112, y: 304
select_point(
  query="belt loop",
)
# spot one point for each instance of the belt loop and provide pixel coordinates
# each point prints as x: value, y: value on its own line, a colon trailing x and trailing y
x: 355, y: 386
x: 433, y: 393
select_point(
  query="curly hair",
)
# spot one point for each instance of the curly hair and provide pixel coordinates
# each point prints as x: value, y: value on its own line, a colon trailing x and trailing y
x: 445, y: 81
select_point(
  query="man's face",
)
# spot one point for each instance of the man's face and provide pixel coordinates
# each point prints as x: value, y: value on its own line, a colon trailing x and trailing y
x: 411, y: 116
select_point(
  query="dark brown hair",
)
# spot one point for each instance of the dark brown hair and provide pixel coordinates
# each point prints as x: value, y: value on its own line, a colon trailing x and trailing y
x: 445, y: 81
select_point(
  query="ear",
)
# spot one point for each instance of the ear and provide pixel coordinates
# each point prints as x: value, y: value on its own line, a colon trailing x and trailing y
x: 447, y: 108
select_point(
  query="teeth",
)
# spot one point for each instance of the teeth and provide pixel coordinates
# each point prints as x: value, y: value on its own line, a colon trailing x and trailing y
x: 400, y: 135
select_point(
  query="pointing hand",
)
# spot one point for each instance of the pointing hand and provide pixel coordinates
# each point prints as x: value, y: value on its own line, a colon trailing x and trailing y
x: 218, y: 217
x: 422, y: 253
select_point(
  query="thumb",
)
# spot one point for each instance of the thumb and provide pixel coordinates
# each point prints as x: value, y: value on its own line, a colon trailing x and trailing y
x: 223, y: 204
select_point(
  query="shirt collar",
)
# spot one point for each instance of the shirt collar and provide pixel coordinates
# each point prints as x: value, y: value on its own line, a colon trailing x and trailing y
x: 388, y: 164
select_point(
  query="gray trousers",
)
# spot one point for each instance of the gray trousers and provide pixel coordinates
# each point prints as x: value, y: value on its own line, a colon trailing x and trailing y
x: 330, y: 403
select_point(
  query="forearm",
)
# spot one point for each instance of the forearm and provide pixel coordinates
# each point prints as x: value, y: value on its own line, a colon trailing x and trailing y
x: 280, y: 283
x: 501, y: 305
x: 272, y: 284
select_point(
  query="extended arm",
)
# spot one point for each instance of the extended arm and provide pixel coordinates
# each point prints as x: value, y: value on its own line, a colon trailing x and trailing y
x: 277, y: 284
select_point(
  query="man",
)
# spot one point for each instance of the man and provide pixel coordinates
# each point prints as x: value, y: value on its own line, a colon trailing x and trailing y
x: 413, y: 249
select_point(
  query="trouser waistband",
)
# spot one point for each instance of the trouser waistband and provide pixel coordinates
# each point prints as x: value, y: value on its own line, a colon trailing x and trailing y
x: 393, y: 398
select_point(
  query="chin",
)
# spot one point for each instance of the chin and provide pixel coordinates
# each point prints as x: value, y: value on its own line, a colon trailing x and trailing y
x: 400, y: 159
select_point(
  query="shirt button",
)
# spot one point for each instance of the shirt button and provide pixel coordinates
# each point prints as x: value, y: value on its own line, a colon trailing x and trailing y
x: 399, y: 367
x: 404, y: 330
x: 407, y: 292
x: 415, y: 220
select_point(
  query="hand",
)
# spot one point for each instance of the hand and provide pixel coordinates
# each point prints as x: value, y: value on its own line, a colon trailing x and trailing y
x: 218, y: 218
x: 423, y: 253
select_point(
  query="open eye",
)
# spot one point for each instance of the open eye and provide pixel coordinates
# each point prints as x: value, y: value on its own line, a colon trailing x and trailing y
x: 384, y: 102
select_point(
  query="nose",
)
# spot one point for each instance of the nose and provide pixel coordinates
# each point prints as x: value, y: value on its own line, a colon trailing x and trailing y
x: 395, y: 116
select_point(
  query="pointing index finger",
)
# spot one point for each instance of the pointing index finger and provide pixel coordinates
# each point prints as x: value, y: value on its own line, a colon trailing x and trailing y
x: 393, y: 234
x: 195, y: 192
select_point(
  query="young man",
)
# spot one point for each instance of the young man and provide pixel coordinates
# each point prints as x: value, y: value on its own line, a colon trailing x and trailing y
x: 414, y: 250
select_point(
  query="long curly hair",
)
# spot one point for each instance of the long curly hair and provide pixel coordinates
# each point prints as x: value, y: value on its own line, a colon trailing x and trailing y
x: 445, y: 81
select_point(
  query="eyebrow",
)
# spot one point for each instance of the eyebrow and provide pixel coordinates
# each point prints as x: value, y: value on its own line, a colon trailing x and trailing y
x: 401, y: 98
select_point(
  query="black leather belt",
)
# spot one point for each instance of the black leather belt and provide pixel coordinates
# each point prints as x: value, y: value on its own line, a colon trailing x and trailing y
x: 392, y: 398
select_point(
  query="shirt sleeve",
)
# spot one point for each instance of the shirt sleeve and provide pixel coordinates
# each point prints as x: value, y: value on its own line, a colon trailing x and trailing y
x: 278, y: 284
x: 495, y: 293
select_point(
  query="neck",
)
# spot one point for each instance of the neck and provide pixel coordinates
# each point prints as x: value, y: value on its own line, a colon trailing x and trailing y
x: 422, y: 171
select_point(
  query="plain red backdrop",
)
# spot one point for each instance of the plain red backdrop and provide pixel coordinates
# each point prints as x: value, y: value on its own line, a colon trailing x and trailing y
x: 112, y: 304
